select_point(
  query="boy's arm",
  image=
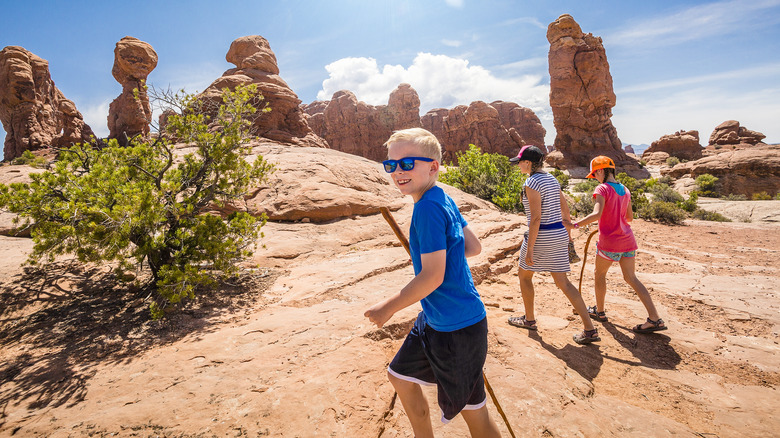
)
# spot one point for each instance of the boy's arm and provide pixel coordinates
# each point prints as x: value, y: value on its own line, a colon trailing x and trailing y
x: 430, y: 277
x: 473, y: 247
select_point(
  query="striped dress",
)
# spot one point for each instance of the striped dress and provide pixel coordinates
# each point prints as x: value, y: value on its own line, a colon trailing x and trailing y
x: 551, y: 252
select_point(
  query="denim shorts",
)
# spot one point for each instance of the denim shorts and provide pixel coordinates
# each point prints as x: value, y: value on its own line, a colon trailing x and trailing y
x: 452, y: 361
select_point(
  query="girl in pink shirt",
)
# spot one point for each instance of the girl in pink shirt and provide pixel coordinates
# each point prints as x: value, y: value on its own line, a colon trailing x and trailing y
x: 616, y: 242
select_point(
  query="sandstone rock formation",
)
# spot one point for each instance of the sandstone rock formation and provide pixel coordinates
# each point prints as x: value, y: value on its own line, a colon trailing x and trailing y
x: 256, y: 64
x: 499, y: 127
x: 629, y: 149
x: 358, y: 128
x: 730, y: 133
x: 130, y: 114
x: 740, y: 171
x: 682, y: 144
x: 581, y: 97
x: 35, y: 114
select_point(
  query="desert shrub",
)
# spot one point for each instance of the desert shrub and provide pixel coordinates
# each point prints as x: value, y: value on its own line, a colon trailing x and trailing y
x: 582, y: 205
x: 689, y: 204
x: 586, y: 186
x: 30, y: 159
x: 672, y: 161
x: 663, y: 192
x: 660, y: 211
x: 488, y: 176
x: 133, y: 205
x: 642, y: 163
x: 562, y: 178
x: 705, y: 215
x: 735, y: 197
x: 761, y: 196
x: 707, y: 184
x: 777, y: 196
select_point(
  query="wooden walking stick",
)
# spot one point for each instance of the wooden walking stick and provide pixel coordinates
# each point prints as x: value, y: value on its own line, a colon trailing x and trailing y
x: 585, y: 259
x: 405, y: 243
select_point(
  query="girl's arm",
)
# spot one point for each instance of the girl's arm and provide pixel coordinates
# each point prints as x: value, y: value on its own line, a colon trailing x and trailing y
x: 430, y: 277
x: 535, y: 204
x: 473, y: 247
x: 630, y: 211
x: 598, y: 208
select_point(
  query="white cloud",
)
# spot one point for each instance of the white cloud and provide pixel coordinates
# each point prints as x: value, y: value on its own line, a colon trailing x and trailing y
x: 767, y: 70
x: 458, y: 4
x: 440, y: 81
x: 96, y: 116
x: 701, y: 21
x: 451, y: 43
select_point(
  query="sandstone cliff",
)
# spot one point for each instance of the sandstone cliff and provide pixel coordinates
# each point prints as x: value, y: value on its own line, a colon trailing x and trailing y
x: 35, y: 114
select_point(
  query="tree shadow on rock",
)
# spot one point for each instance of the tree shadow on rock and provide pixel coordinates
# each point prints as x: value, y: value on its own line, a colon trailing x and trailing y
x: 586, y: 360
x: 53, y: 338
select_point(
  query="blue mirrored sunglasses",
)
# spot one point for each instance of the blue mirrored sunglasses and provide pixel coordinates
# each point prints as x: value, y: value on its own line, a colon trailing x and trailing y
x: 407, y: 163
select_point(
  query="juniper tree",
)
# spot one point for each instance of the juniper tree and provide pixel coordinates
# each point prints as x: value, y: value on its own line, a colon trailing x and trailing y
x: 142, y: 205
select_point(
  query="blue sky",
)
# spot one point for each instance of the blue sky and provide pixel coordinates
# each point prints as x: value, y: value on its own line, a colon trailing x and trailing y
x: 675, y: 64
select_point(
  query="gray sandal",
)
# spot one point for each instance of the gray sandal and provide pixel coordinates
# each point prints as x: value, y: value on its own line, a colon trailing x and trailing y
x: 520, y: 321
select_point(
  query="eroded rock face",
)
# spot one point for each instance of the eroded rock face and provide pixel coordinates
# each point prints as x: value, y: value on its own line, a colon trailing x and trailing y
x: 730, y: 133
x: 130, y: 114
x: 682, y: 144
x: 582, y: 97
x: 499, y: 127
x: 35, y: 114
x: 358, y: 128
x: 256, y: 64
x: 740, y: 171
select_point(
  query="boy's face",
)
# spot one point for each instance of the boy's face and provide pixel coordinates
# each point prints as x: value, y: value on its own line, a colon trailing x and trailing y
x: 413, y: 182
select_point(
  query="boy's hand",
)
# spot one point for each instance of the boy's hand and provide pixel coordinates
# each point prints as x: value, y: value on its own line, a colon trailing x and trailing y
x: 379, y: 314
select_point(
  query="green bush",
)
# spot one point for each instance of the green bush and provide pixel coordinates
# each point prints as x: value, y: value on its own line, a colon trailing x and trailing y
x: 135, y: 206
x: 689, y: 204
x: 705, y: 215
x: 663, y: 192
x: 488, y: 176
x: 735, y: 197
x: 762, y: 196
x: 660, y: 211
x: 672, y: 161
x: 30, y: 159
x: 707, y: 184
x: 586, y: 186
x: 582, y: 205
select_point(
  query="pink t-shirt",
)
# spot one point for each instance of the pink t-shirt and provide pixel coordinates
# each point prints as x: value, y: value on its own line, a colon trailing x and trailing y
x: 615, y: 233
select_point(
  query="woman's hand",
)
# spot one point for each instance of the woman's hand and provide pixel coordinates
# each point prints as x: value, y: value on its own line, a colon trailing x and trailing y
x: 529, y: 257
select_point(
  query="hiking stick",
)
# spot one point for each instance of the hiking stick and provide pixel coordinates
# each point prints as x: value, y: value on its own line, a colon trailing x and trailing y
x: 405, y: 243
x: 585, y: 259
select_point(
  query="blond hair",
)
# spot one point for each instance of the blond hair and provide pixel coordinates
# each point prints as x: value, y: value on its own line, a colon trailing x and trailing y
x: 428, y: 143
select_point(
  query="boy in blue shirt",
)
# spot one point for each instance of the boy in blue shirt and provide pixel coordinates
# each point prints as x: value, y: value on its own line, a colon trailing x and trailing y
x: 447, y: 346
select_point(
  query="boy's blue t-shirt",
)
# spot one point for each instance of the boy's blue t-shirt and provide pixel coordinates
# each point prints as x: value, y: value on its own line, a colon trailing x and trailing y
x: 437, y: 224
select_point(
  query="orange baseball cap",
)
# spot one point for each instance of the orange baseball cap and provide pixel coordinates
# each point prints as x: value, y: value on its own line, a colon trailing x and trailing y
x: 600, y: 162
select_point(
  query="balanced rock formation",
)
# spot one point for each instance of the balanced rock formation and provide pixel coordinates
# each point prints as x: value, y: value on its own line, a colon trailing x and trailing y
x: 730, y: 133
x: 358, y: 128
x: 581, y: 97
x: 35, y: 114
x: 256, y: 64
x: 130, y: 114
x: 499, y: 127
x: 740, y: 171
x: 682, y: 144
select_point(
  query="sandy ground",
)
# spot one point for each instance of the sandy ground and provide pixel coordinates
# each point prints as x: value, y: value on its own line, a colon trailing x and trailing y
x: 286, y: 352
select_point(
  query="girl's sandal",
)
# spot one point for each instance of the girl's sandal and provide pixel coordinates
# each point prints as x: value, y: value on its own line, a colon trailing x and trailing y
x: 520, y: 321
x: 656, y: 326
x: 595, y: 314
x: 586, y: 337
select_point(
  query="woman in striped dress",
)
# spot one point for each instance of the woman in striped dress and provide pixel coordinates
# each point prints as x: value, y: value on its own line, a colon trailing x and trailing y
x: 545, y: 247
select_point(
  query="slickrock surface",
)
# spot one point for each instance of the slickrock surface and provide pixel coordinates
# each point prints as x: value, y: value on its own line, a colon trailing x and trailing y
x: 290, y: 353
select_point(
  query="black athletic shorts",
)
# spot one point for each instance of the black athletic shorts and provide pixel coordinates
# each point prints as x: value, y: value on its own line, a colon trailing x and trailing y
x: 452, y: 361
